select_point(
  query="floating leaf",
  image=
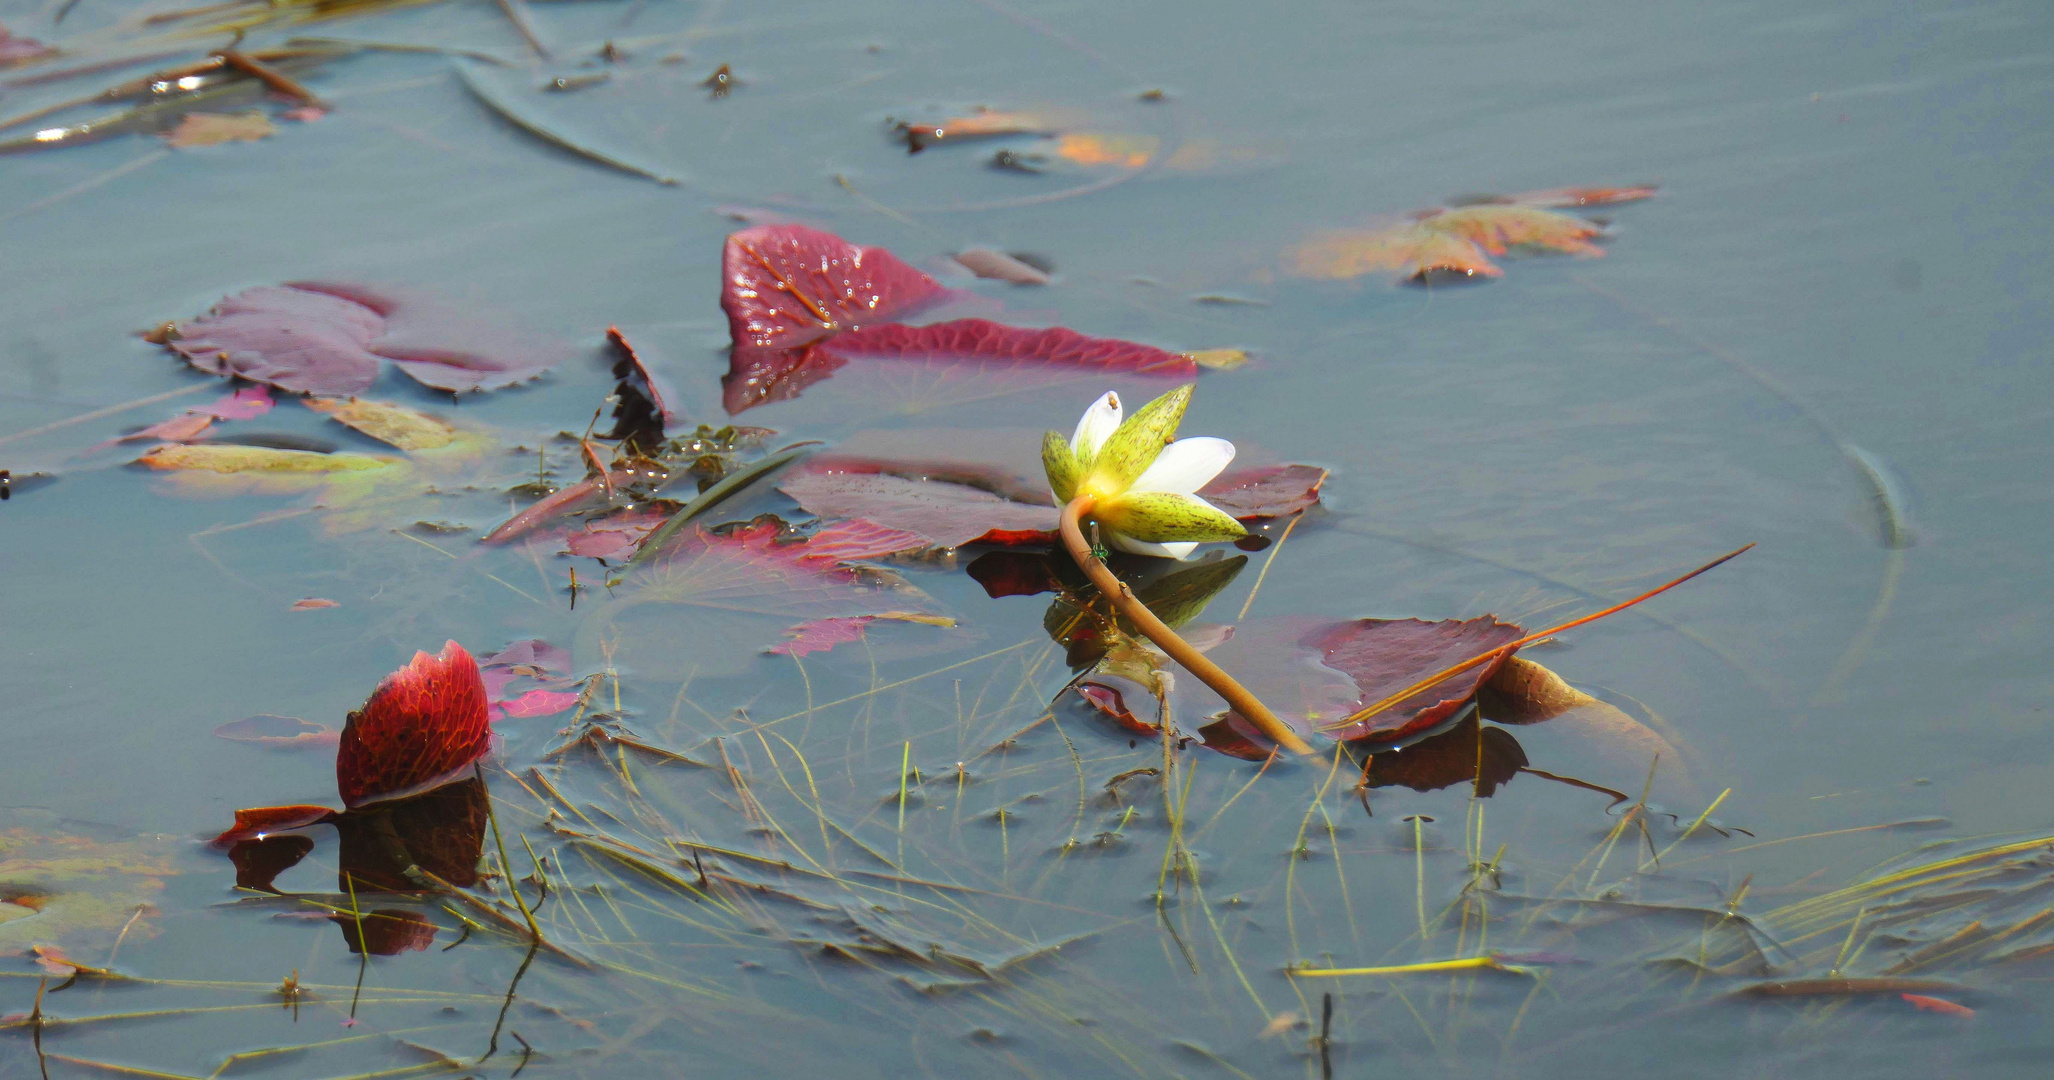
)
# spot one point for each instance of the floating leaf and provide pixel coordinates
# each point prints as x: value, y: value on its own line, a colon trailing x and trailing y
x: 213, y: 129
x: 330, y: 338
x: 284, y: 731
x: 312, y: 603
x: 932, y: 513
x: 1410, y: 251
x: 1461, y: 240
x: 247, y: 403
x: 999, y: 266
x: 1266, y: 491
x: 785, y: 285
x: 978, y: 358
x: 950, y: 488
x: 394, y: 425
x: 227, y: 458
x: 1499, y: 228
x: 1098, y: 148
x: 1386, y: 655
x: 711, y: 601
x: 423, y: 726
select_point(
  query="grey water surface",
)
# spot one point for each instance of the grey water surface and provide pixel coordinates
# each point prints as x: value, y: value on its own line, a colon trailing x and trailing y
x: 1840, y: 290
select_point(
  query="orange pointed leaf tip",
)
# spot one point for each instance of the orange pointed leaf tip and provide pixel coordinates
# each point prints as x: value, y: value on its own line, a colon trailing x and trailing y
x: 423, y: 726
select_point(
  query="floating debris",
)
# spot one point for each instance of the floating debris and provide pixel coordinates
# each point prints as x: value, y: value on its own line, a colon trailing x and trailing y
x: 497, y: 99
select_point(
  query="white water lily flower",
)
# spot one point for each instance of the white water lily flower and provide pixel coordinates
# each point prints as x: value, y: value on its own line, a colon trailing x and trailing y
x: 1142, y: 479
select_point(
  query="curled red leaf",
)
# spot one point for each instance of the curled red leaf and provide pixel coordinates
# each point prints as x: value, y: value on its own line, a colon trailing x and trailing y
x: 423, y: 726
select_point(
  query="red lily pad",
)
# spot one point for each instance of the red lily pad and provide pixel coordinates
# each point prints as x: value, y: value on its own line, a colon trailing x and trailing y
x: 786, y: 285
x: 1386, y: 655
x: 424, y: 725
x: 332, y: 338
x: 949, y: 488
x: 944, y: 363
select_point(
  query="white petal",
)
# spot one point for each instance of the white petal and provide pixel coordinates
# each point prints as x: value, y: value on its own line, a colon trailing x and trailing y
x: 1100, y: 420
x: 1142, y: 547
x: 1186, y: 465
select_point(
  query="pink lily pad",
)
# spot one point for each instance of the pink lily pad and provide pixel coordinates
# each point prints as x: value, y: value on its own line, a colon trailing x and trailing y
x: 332, y: 338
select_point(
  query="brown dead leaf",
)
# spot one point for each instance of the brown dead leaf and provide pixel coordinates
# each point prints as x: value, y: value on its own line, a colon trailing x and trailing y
x: 391, y: 424
x: 312, y: 603
x: 1523, y: 692
x: 1098, y: 148
x: 212, y: 129
x: 1410, y: 250
x: 1499, y: 228
x: 1459, y: 240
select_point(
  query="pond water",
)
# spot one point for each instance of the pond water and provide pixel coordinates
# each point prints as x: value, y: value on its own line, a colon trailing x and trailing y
x: 1828, y: 330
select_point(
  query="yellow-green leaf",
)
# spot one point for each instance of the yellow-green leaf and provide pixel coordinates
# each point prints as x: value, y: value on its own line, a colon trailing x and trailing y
x: 393, y: 424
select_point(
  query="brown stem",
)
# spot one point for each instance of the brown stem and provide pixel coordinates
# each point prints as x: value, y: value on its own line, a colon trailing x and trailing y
x: 1510, y: 647
x: 1165, y: 638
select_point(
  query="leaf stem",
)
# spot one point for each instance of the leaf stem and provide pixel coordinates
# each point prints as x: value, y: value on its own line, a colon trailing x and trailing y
x: 1509, y: 648
x: 1181, y: 651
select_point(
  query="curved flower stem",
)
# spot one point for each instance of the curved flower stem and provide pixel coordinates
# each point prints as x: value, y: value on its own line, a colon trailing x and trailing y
x: 1165, y: 638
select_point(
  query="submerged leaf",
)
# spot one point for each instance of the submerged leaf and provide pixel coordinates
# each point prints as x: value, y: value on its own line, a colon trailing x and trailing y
x: 711, y: 601
x: 213, y: 129
x: 820, y: 635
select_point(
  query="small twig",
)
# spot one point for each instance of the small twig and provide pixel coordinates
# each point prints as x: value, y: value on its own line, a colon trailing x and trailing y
x: 1181, y: 651
x: 272, y: 77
